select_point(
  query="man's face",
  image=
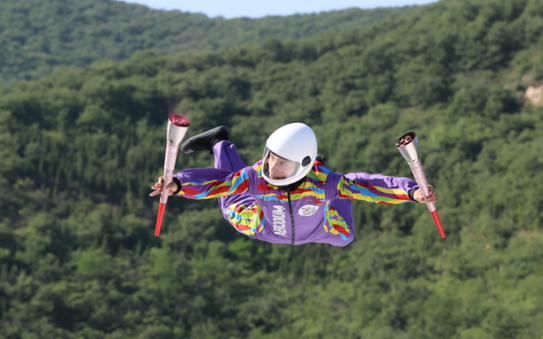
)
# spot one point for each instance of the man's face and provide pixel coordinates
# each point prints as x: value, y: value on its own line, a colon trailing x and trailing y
x: 280, y: 168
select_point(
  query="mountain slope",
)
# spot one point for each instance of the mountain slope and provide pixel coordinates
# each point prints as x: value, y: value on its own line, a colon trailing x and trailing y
x: 39, y: 36
x: 80, y: 148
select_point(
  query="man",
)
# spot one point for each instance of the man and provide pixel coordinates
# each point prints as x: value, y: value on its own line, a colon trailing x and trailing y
x: 290, y: 196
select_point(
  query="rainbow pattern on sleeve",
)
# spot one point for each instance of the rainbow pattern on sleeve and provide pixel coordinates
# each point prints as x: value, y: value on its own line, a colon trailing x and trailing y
x: 349, y: 189
x: 248, y: 220
x: 234, y: 184
x: 335, y: 224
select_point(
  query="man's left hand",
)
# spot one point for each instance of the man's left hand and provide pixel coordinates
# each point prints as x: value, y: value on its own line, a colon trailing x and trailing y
x: 421, y: 198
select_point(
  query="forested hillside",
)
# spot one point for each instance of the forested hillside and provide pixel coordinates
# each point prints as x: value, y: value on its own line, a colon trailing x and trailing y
x: 79, y: 150
x: 38, y: 36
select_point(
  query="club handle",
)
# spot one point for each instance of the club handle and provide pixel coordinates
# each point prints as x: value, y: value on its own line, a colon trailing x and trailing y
x: 420, y: 178
x: 169, y: 165
x: 160, y: 216
x: 435, y: 216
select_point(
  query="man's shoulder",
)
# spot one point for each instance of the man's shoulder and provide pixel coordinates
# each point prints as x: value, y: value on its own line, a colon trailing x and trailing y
x: 319, y: 171
x: 257, y: 166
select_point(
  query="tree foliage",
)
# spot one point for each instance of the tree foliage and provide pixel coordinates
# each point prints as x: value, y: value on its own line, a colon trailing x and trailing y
x: 37, y: 37
x: 80, y: 149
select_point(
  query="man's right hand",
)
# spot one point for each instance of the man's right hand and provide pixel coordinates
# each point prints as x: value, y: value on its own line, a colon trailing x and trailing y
x: 172, y: 187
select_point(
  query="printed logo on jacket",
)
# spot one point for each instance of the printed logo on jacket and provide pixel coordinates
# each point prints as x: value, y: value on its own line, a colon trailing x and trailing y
x: 308, y: 210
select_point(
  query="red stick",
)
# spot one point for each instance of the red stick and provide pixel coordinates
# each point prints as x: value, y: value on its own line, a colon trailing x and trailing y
x: 160, y: 216
x: 438, y: 223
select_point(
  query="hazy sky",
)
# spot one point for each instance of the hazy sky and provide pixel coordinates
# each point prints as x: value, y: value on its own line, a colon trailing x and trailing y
x: 257, y: 9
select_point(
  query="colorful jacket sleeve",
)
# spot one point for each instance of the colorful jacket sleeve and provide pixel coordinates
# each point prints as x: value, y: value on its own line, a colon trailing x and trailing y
x: 208, y: 183
x: 376, y: 188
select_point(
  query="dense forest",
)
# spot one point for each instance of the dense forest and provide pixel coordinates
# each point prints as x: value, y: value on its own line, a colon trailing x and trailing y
x: 80, y: 149
x: 39, y: 36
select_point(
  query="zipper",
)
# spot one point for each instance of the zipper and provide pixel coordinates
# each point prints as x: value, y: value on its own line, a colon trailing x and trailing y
x: 291, y: 217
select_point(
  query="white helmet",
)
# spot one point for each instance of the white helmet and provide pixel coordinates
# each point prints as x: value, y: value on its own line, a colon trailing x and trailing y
x: 289, y: 154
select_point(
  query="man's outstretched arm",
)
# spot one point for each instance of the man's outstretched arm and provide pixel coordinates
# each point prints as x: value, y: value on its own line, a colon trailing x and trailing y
x: 205, y: 183
x: 380, y: 189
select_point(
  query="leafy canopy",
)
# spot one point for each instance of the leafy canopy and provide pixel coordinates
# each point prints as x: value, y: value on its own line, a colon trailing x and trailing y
x: 37, y: 37
x: 79, y: 149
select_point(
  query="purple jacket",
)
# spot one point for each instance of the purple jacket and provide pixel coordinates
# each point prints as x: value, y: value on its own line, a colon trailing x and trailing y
x: 319, y: 210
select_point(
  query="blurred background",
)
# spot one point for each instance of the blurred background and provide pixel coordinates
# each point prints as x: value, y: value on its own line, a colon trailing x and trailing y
x: 85, y: 90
